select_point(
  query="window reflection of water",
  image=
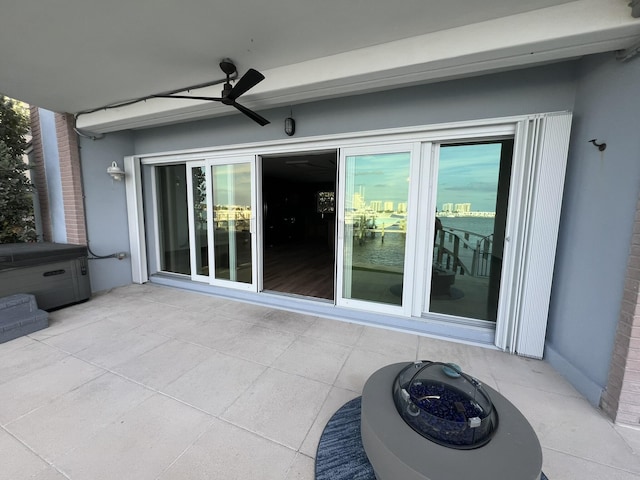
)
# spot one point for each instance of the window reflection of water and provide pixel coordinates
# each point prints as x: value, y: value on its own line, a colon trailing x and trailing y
x: 390, y: 253
x: 373, y: 251
x: 478, y: 225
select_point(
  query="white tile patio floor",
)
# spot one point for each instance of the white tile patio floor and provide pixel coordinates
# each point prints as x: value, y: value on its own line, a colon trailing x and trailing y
x: 148, y: 382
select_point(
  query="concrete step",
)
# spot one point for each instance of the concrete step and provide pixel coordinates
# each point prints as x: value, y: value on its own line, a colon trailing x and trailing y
x: 20, y: 315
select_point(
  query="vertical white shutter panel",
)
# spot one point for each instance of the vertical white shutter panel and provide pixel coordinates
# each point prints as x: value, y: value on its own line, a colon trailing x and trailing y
x: 135, y: 220
x: 549, y: 156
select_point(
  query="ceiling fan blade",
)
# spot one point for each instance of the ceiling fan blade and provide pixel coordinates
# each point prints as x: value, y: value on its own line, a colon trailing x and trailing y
x: 247, y: 82
x: 212, y: 99
x: 251, y: 114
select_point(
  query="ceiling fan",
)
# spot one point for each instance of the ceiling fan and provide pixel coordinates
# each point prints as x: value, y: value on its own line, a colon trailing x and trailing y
x: 230, y: 93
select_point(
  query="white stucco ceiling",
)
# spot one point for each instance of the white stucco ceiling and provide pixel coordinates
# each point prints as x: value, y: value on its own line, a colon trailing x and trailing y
x: 75, y: 55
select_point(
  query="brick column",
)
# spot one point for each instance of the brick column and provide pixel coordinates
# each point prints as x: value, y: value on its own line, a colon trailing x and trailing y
x: 621, y: 399
x: 71, y: 177
x: 38, y: 174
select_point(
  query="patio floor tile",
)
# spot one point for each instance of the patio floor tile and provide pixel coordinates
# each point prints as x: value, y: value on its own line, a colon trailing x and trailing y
x: 39, y: 387
x: 336, y: 398
x: 362, y: 363
x: 303, y: 468
x: 19, y: 357
x: 119, y: 348
x: 163, y: 364
x: 561, y: 465
x: 69, y: 421
x: 214, y: 384
x: 94, y: 333
x: 139, y: 445
x: 312, y: 358
x: 229, y: 452
x: 569, y: 425
x: 287, y: 321
x: 17, y: 460
x: 258, y: 344
x: 279, y: 406
x: 403, y: 345
x: 336, y: 331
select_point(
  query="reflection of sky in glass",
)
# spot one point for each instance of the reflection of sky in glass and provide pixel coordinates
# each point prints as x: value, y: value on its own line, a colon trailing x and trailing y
x: 232, y: 185
x: 469, y: 174
x: 384, y: 177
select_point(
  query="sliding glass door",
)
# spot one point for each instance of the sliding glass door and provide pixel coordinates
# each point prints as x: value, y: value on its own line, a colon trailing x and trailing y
x: 472, y: 194
x: 232, y: 235
x: 374, y: 227
x: 173, y: 250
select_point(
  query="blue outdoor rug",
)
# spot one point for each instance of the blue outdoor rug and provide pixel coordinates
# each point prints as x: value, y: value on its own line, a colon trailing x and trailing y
x: 340, y: 454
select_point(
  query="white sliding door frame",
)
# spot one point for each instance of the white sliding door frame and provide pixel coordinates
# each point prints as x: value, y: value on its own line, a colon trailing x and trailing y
x: 193, y: 243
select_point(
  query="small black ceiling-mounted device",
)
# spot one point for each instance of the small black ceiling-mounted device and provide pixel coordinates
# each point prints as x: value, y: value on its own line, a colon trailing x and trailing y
x: 231, y: 93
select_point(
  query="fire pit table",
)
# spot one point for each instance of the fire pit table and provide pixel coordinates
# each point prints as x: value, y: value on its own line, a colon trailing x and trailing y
x: 431, y: 421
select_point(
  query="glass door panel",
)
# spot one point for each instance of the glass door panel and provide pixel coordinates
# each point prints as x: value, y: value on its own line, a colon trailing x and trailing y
x: 233, y: 204
x: 472, y: 199
x: 373, y: 227
x: 173, y: 219
x: 198, y: 222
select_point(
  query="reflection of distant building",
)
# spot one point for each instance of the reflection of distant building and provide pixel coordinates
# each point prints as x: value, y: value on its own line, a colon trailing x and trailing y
x: 358, y: 201
x: 402, y: 207
x: 451, y: 210
x: 376, y: 205
x: 388, y: 206
x: 223, y: 215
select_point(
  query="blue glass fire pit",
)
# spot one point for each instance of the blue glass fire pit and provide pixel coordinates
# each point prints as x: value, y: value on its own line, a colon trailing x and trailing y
x: 431, y: 421
x: 445, y: 405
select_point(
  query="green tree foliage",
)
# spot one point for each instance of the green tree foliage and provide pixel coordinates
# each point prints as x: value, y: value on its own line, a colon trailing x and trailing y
x: 17, y: 222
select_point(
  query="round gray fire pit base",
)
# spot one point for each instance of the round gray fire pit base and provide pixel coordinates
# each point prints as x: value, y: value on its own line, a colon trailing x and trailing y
x: 396, y: 451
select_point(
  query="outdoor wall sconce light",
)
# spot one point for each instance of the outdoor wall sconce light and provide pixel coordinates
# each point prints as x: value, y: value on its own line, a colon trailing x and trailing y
x: 115, y: 171
x: 289, y: 126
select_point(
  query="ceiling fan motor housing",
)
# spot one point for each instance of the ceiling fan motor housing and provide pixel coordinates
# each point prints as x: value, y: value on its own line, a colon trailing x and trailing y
x: 226, y: 90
